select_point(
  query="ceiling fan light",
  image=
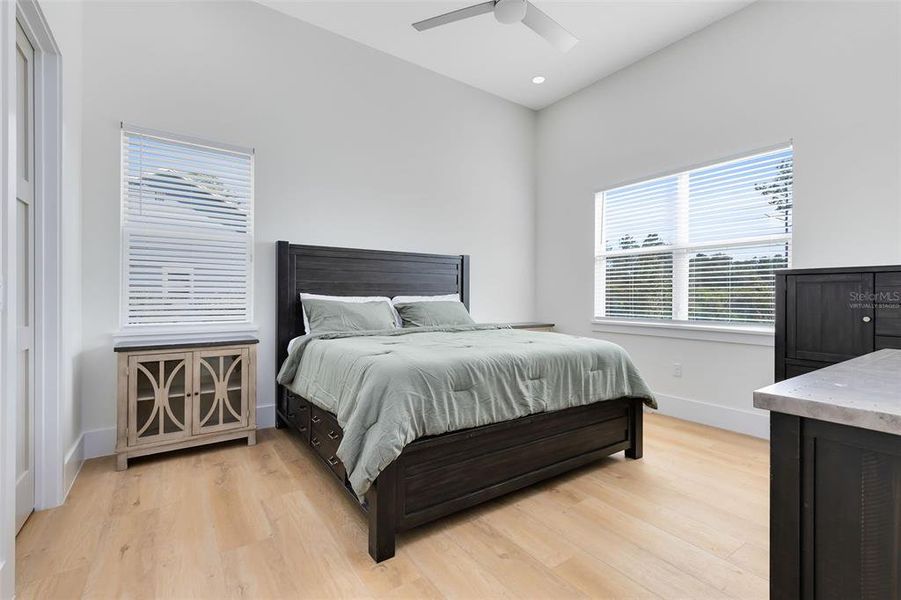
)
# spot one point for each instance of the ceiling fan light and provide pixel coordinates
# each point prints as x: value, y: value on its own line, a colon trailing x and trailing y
x: 510, y: 11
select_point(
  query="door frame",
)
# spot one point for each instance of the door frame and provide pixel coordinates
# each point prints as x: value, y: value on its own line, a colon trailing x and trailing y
x: 49, y: 456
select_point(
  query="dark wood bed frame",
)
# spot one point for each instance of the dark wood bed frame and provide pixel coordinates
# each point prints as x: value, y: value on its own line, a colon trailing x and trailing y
x: 437, y: 475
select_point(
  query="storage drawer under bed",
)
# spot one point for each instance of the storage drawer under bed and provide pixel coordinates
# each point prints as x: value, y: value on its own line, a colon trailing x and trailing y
x: 325, y: 437
x: 327, y: 449
x: 297, y: 412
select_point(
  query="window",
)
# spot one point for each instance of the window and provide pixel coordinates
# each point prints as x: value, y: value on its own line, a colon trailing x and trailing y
x: 700, y: 245
x: 187, y: 233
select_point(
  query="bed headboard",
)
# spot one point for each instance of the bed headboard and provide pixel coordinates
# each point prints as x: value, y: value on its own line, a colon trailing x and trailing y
x: 357, y: 272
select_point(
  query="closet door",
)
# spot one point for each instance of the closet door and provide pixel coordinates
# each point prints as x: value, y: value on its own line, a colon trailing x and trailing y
x: 159, y: 397
x: 24, y: 276
x: 830, y: 317
x: 220, y: 390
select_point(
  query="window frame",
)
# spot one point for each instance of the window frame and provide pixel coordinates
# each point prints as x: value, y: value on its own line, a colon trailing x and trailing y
x: 723, y: 331
x: 186, y: 331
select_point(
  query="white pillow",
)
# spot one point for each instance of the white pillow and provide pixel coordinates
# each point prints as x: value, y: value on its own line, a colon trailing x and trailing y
x: 294, y: 342
x: 306, y: 296
x: 442, y: 298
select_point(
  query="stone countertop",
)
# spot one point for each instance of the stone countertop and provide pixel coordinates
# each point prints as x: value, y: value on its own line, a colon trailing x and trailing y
x: 862, y: 392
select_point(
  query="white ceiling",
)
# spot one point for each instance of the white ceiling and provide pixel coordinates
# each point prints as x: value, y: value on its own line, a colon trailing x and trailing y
x: 502, y: 59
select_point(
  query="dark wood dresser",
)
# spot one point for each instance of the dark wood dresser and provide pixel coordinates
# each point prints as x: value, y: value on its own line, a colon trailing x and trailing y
x: 835, y: 434
x: 825, y: 316
x: 835, y: 480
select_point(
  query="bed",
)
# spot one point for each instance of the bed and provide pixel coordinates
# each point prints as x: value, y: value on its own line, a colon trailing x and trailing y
x: 433, y: 475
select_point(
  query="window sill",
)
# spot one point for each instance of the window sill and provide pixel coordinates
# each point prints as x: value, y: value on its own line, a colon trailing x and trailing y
x: 183, y: 334
x: 732, y: 334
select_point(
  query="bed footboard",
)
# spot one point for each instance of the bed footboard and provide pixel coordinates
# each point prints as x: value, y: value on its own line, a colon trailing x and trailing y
x: 440, y: 475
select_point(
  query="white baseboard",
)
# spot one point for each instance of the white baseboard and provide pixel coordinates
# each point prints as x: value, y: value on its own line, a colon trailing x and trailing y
x: 72, y: 465
x: 102, y: 442
x: 7, y: 580
x: 266, y: 416
x: 725, y: 417
x: 99, y: 442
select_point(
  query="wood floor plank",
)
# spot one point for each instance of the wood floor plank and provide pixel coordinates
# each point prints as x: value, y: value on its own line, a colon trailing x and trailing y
x: 231, y: 521
x: 124, y: 567
x: 700, y: 533
x: 453, y: 572
x: 67, y: 538
x: 65, y: 584
x: 550, y: 550
x: 753, y: 558
x: 691, y: 502
x: 598, y: 580
x: 510, y: 564
x: 637, y: 563
x: 685, y: 556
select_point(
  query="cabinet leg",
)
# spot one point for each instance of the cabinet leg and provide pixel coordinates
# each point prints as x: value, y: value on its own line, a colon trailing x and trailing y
x: 252, y: 438
x: 121, y: 462
x: 279, y: 423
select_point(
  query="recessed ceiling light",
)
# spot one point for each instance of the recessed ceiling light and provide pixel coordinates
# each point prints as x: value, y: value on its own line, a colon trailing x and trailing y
x: 538, y: 79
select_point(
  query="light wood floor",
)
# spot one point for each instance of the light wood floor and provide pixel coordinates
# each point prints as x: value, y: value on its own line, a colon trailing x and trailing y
x: 689, y: 520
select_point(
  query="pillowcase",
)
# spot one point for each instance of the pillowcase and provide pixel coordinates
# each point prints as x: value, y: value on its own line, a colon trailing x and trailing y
x: 306, y: 296
x: 441, y: 298
x: 331, y: 316
x: 294, y: 342
x: 433, y: 312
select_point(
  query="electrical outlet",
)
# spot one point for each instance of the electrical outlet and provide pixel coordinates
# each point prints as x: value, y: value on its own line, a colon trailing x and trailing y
x: 677, y: 369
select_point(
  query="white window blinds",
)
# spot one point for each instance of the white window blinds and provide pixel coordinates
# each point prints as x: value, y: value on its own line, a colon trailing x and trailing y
x: 187, y: 231
x: 700, y: 245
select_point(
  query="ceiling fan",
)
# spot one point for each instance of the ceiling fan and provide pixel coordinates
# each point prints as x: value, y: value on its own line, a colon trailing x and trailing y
x: 509, y: 12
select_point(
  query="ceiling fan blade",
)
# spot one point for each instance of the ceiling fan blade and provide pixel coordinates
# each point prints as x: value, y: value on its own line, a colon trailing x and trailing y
x: 455, y: 15
x: 549, y: 29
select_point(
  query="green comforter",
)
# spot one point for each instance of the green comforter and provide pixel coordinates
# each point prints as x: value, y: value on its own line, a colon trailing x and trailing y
x: 391, y: 387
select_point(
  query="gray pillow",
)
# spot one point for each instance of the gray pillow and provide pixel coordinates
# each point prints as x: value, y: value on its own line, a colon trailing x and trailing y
x: 332, y: 315
x: 426, y: 314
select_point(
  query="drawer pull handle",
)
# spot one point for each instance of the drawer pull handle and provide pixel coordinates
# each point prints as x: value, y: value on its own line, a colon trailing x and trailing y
x: 333, y: 461
x: 315, y: 442
x: 332, y: 435
x: 317, y: 419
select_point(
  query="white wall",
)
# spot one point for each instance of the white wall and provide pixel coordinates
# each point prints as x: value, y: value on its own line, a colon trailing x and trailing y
x: 65, y: 20
x: 353, y: 148
x: 823, y: 74
x: 51, y: 482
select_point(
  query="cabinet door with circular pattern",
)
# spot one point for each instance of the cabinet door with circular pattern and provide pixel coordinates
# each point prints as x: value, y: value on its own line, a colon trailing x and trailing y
x: 220, y: 390
x: 160, y: 387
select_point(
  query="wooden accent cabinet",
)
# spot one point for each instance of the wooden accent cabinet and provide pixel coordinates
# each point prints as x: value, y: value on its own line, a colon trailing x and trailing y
x: 173, y: 397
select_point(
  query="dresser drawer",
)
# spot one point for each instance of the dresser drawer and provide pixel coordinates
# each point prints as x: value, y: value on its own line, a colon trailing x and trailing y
x: 327, y: 449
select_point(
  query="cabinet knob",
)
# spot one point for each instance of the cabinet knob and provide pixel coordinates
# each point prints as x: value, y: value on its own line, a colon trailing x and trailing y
x: 867, y: 319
